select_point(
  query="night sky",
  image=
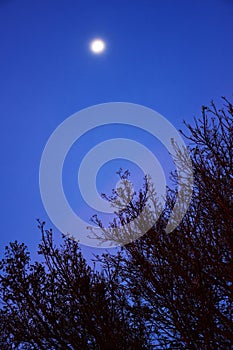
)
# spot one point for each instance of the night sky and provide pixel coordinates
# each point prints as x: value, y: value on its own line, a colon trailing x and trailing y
x: 172, y: 56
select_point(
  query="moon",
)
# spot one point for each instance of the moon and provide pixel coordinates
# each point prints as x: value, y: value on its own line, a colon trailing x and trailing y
x: 97, y: 46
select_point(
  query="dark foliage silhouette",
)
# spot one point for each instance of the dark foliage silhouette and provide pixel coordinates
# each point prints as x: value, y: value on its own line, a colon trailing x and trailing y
x: 162, y: 291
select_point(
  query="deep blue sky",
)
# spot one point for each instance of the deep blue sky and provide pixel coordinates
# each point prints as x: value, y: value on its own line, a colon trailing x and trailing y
x: 172, y: 56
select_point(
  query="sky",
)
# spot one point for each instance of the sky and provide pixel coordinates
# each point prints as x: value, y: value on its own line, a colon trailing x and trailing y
x: 171, y: 56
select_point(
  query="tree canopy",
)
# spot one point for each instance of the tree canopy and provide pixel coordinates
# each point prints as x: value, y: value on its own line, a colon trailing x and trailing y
x: 162, y: 291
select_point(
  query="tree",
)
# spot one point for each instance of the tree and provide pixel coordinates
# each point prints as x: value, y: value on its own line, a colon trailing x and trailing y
x: 63, y: 303
x: 185, y: 278
x: 165, y: 291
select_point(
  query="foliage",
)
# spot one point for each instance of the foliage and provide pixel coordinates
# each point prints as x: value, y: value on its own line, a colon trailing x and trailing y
x: 63, y: 303
x: 185, y: 278
x: 165, y: 291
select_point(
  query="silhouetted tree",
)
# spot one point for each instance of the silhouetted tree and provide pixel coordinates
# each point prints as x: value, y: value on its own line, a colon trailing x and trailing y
x: 63, y: 303
x: 161, y: 291
x: 185, y: 278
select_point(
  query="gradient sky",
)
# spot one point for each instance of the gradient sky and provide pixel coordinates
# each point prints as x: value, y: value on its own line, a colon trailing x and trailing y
x: 172, y: 56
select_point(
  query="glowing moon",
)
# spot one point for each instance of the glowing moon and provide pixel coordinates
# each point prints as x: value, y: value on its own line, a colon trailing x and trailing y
x: 97, y: 46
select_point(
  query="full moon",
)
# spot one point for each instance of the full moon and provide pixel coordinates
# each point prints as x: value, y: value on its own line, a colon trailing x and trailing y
x: 97, y: 46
